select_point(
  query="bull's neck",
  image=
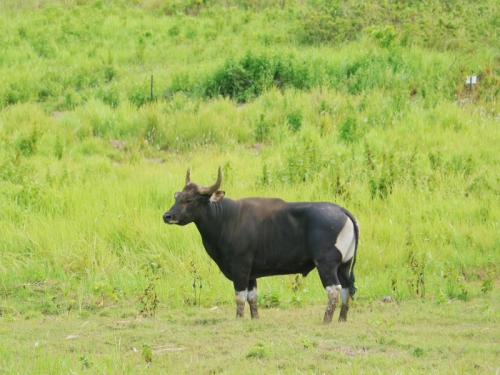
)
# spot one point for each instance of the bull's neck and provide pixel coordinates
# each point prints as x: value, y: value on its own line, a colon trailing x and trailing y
x: 216, y: 219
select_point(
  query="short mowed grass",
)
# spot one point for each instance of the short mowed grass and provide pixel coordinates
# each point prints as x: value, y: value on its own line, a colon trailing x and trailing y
x: 417, y: 336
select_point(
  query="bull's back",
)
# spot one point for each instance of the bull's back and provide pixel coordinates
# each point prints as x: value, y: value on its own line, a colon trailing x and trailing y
x: 285, y: 217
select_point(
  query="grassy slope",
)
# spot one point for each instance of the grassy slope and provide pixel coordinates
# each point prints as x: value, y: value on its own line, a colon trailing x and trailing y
x: 388, y: 131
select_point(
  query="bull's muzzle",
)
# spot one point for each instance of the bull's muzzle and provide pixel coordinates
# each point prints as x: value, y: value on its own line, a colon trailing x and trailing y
x: 167, y: 218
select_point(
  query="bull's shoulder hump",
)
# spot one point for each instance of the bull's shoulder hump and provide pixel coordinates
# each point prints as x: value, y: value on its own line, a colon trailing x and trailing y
x: 280, y: 204
x: 261, y: 202
x: 260, y: 207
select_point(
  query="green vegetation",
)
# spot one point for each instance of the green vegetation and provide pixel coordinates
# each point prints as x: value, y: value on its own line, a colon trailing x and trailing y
x: 361, y: 104
x: 411, y: 337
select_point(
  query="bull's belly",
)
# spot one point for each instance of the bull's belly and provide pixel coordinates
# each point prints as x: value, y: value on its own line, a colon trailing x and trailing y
x: 263, y: 270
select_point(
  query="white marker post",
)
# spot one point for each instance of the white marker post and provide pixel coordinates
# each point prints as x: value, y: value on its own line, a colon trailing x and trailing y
x: 471, y: 80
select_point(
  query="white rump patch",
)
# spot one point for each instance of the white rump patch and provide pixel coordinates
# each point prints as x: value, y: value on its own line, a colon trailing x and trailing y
x: 346, y: 241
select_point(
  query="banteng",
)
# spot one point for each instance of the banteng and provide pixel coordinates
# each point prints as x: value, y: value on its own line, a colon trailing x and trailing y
x: 256, y: 237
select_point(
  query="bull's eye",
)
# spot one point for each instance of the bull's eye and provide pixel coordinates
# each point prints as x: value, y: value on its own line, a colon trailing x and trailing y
x: 189, y: 200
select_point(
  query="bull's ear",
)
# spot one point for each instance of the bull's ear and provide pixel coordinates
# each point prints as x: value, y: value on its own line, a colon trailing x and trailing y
x: 217, y: 196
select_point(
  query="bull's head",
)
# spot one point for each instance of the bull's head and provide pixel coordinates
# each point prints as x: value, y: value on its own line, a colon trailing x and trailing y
x: 189, y: 202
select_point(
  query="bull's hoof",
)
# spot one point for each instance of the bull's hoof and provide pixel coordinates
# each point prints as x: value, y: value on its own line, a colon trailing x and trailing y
x: 240, y: 310
x: 254, y: 311
x: 343, y: 313
x: 327, y: 319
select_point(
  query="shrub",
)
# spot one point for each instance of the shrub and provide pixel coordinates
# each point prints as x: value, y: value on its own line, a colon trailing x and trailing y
x: 294, y: 120
x: 262, y: 129
x: 259, y: 351
x: 109, y: 95
x: 326, y: 21
x: 385, y: 36
x: 15, y: 93
x: 348, y: 131
x: 27, y: 144
x: 269, y: 299
x: 139, y: 94
x: 181, y: 82
x: 247, y: 78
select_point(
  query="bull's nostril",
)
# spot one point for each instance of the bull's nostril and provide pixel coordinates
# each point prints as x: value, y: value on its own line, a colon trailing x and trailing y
x: 167, y: 217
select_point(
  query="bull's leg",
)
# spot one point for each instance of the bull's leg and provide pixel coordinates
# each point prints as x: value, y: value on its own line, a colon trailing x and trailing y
x: 252, y: 299
x: 343, y: 274
x: 346, y: 298
x: 240, y: 299
x: 240, y: 282
x: 333, y: 292
x: 327, y: 269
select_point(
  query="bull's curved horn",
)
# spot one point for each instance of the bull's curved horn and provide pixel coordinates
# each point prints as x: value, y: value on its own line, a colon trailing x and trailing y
x: 209, y: 190
x: 188, y: 176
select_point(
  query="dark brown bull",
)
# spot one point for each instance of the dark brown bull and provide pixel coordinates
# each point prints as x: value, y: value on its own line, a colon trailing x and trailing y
x: 256, y: 237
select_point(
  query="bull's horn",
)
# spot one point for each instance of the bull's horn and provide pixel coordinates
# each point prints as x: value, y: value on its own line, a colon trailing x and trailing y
x: 188, y: 176
x: 209, y: 190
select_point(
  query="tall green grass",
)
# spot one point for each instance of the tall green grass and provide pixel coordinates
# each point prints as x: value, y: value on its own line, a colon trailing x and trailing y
x: 382, y: 126
x: 93, y: 217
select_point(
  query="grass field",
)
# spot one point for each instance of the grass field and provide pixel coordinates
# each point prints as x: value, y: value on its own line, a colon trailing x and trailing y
x: 362, y: 104
x: 398, y: 338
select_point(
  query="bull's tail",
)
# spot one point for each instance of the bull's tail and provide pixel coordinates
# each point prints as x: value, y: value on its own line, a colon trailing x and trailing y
x: 352, y: 288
